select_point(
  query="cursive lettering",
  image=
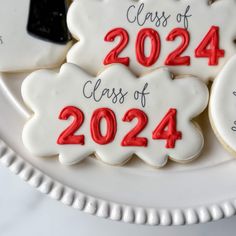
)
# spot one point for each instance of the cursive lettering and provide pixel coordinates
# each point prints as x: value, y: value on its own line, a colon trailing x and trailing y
x: 141, y: 95
x: 138, y: 15
x: 95, y: 92
x: 184, y: 18
x: 234, y: 127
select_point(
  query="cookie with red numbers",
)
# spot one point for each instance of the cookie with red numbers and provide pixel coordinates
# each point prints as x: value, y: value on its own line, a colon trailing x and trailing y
x: 33, y: 34
x: 113, y: 115
x: 193, y: 37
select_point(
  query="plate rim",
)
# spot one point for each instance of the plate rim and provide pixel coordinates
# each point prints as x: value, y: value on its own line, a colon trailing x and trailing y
x: 108, y: 209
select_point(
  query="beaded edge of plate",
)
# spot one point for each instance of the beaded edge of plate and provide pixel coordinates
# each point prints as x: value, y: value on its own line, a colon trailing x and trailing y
x: 112, y: 210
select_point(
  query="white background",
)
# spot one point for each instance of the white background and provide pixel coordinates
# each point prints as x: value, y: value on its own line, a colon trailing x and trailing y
x: 26, y: 212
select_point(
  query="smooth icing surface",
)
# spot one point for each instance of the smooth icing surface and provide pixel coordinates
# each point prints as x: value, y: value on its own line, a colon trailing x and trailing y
x: 112, y: 94
x: 91, y: 20
x: 223, y: 105
x: 19, y: 51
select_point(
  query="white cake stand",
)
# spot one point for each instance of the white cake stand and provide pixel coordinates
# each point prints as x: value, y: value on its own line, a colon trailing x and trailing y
x: 199, y: 192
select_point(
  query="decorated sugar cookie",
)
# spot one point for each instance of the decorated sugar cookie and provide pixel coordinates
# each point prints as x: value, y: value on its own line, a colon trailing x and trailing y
x: 33, y: 34
x: 191, y: 37
x: 223, y: 106
x: 113, y: 115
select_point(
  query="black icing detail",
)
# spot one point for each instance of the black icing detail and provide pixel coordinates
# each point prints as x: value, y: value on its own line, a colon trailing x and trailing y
x: 47, y: 20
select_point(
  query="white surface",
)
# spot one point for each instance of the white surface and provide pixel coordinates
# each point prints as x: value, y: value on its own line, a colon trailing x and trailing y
x: 223, y: 103
x: 24, y: 212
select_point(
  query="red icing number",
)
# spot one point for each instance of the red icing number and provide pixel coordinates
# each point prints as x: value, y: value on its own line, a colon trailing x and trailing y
x: 113, y: 56
x: 68, y: 136
x: 209, y: 47
x: 174, y: 59
x: 155, y: 47
x: 131, y: 138
x: 95, y: 126
x: 167, y: 129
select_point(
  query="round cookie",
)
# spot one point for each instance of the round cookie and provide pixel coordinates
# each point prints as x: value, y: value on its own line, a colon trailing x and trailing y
x: 113, y: 115
x: 222, y: 106
x: 189, y: 36
x: 33, y: 34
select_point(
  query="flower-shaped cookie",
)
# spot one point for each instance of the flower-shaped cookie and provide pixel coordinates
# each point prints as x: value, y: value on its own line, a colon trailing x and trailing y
x: 190, y: 36
x: 113, y: 115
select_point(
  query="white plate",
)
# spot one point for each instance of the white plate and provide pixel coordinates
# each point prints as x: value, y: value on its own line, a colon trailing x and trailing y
x: 201, y: 191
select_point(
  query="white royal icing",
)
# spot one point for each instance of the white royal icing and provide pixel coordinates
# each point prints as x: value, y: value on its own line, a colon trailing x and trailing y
x: 90, y: 20
x: 223, y: 105
x: 47, y: 93
x: 20, y: 51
